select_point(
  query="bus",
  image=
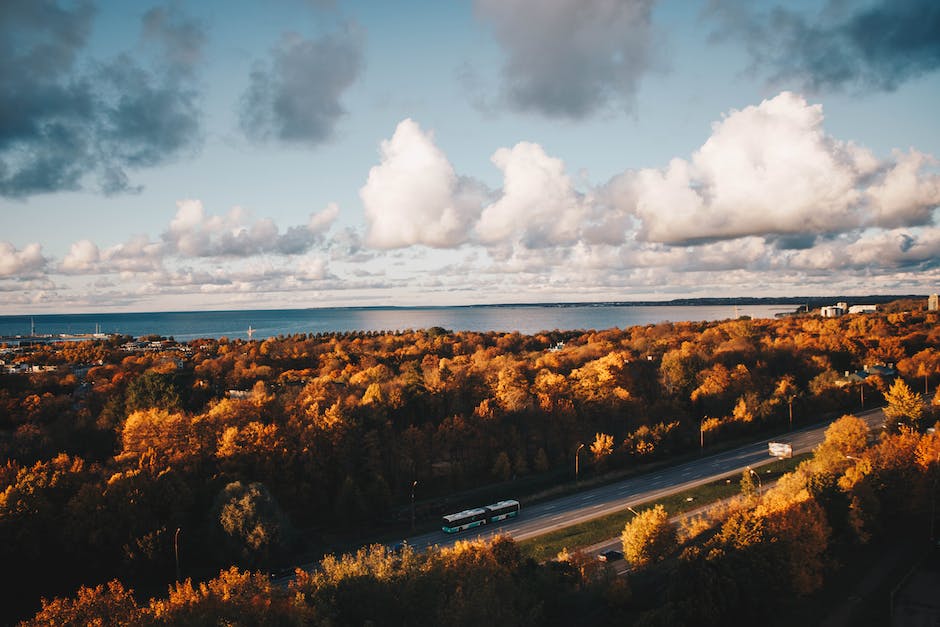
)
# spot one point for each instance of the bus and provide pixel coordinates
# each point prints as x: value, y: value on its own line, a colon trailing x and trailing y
x: 479, y: 516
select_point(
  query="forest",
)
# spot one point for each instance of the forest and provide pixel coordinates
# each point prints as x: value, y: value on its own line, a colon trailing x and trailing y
x: 752, y: 559
x: 131, y: 466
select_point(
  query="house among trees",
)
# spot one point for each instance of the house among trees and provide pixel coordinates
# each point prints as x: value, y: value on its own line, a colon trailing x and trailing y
x: 885, y: 371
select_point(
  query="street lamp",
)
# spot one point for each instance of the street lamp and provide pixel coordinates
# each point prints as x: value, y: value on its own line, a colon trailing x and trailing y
x: 790, y: 404
x: 413, y: 485
x: 580, y: 446
x: 760, y: 484
x: 176, y: 552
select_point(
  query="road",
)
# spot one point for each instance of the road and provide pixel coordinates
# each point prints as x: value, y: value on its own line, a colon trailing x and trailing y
x: 582, y: 506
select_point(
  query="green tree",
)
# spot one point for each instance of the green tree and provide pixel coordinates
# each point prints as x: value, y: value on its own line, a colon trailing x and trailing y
x: 648, y: 537
x: 502, y: 469
x: 153, y: 389
x: 255, y: 530
x: 748, y: 489
x: 541, y: 461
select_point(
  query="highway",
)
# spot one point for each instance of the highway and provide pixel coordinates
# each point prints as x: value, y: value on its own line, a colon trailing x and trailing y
x: 548, y: 516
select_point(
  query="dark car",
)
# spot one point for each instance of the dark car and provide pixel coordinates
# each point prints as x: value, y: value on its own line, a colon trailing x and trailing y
x: 610, y: 556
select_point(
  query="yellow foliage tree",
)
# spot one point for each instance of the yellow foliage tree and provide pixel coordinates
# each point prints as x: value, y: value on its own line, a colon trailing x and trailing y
x: 905, y: 407
x: 602, y: 446
x: 648, y: 537
x: 112, y: 604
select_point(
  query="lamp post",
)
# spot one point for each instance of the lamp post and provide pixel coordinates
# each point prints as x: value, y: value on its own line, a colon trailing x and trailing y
x: 701, y: 435
x: 176, y: 552
x: 580, y: 446
x: 790, y: 405
x: 413, y: 485
x: 760, y: 484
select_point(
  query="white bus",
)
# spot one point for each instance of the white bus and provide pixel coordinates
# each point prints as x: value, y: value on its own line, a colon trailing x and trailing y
x: 470, y: 518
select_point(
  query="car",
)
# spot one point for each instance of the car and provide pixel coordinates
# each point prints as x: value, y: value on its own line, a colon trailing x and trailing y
x: 610, y: 556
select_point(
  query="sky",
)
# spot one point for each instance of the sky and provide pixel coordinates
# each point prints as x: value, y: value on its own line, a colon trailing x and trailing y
x: 238, y: 154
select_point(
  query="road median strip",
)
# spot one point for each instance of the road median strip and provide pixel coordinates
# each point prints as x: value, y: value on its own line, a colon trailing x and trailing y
x: 601, y: 530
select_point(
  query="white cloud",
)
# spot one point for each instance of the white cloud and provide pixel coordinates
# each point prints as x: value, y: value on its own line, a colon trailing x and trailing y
x: 322, y: 220
x: 539, y: 204
x: 138, y: 254
x: 414, y: 196
x: 766, y: 169
x: 771, y: 170
x: 194, y: 233
x: 26, y: 263
x: 83, y: 256
x: 906, y: 196
x: 896, y: 248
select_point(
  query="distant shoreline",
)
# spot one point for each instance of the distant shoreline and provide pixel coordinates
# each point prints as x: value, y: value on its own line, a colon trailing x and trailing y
x: 730, y: 301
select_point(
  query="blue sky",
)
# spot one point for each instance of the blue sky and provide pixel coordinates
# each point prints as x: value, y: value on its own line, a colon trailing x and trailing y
x: 166, y: 156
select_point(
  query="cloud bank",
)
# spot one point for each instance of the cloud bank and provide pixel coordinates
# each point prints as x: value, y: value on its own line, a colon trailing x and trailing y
x: 770, y: 203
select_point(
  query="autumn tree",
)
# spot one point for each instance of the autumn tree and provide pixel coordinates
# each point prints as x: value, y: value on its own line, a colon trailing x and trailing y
x: 602, y: 446
x: 110, y: 604
x: 904, y: 406
x: 648, y: 537
x: 234, y: 597
x: 847, y: 436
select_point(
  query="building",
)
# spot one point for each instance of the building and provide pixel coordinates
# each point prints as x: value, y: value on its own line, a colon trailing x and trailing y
x: 840, y: 309
x: 933, y: 302
x: 885, y: 371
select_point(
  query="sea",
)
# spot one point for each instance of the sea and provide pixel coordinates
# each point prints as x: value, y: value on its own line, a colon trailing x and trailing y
x: 262, y: 323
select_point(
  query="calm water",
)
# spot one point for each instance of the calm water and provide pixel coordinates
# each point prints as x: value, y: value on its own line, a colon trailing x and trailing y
x: 527, y: 319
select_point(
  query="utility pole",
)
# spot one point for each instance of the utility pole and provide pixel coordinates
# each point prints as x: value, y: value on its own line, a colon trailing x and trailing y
x: 413, y: 485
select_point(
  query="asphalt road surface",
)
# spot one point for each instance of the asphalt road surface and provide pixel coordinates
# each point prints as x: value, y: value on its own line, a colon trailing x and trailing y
x: 551, y: 515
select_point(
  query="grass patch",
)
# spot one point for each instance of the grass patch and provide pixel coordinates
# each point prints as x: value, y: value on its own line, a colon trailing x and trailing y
x: 547, y: 546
